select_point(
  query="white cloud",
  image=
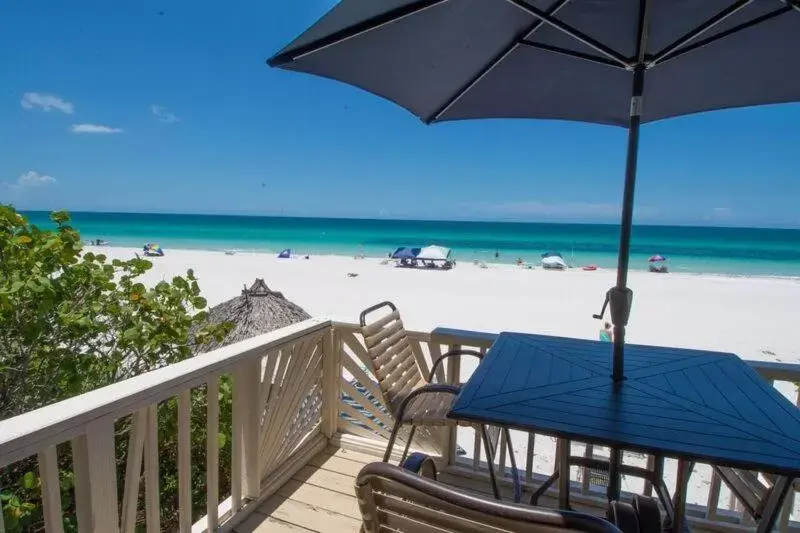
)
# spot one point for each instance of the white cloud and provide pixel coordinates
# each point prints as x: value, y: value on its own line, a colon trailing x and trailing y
x: 719, y: 215
x: 163, y: 115
x: 94, y: 128
x: 46, y: 102
x: 34, y: 179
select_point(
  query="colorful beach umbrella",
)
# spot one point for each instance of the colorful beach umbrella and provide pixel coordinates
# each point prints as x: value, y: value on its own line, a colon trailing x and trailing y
x: 656, y: 258
x: 620, y: 63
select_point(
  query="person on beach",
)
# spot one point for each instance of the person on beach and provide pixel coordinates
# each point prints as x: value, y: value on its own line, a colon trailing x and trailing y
x: 606, y: 334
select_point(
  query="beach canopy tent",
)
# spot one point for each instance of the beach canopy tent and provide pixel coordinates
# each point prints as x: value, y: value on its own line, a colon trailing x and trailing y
x: 152, y: 250
x: 255, y: 311
x: 619, y: 63
x: 657, y: 258
x: 285, y: 254
x: 405, y: 253
x: 554, y: 261
x: 434, y: 253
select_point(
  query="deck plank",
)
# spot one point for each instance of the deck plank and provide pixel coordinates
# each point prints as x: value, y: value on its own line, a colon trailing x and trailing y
x: 258, y: 523
x: 311, y: 517
x: 337, y: 464
x: 326, y: 479
x: 350, y: 455
x: 329, y: 500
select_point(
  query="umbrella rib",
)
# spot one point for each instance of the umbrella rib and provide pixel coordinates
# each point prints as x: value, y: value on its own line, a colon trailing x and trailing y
x: 699, y: 30
x: 464, y: 89
x: 574, y: 33
x: 572, y: 53
x: 794, y: 4
x: 356, y: 30
x: 736, y: 29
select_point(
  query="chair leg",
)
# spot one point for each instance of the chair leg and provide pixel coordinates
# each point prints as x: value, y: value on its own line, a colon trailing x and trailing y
x: 514, y: 471
x: 490, y: 462
x: 397, y: 425
x: 408, y: 444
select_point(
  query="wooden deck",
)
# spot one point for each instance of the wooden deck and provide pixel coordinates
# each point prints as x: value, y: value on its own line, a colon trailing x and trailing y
x: 320, y: 497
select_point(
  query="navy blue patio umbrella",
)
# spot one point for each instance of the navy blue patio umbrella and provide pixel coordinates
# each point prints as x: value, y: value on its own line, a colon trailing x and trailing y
x: 616, y: 62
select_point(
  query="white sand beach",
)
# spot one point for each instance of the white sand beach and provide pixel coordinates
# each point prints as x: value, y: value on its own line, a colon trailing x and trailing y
x: 756, y: 318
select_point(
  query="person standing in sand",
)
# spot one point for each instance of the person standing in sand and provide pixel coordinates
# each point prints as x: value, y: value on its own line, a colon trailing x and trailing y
x: 607, y: 334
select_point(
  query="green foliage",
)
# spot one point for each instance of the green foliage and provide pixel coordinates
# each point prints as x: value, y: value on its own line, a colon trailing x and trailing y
x: 74, y: 321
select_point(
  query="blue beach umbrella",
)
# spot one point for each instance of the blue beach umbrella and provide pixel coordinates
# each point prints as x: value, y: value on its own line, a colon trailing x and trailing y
x: 405, y: 253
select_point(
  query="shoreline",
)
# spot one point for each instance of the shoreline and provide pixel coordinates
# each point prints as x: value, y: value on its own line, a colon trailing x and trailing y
x: 460, y: 262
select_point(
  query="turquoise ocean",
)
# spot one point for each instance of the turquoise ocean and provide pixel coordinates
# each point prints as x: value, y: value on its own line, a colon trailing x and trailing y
x: 732, y: 251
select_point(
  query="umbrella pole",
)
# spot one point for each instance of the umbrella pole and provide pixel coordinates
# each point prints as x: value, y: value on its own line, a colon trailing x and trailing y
x: 621, y: 297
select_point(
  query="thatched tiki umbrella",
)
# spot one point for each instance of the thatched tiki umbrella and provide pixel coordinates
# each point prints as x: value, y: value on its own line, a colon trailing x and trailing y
x: 257, y: 310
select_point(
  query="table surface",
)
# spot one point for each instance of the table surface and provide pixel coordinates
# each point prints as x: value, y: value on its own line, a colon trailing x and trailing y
x: 697, y: 405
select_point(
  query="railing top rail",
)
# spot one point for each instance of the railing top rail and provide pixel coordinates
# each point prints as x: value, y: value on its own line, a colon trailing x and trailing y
x: 30, y: 432
x: 459, y: 336
x: 776, y: 371
x: 767, y: 369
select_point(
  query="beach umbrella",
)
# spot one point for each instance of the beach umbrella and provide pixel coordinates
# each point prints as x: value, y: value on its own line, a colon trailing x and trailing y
x: 554, y: 261
x: 285, y: 254
x: 257, y: 310
x: 434, y: 253
x: 656, y: 258
x: 620, y: 63
x: 551, y: 254
x: 405, y: 253
x: 153, y: 250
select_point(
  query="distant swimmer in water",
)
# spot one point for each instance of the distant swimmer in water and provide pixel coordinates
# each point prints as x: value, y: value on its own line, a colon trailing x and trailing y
x: 496, y: 254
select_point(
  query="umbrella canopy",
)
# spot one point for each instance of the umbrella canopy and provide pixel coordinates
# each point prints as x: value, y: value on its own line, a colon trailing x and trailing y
x: 405, y: 253
x: 257, y: 310
x: 285, y: 254
x: 434, y: 253
x: 151, y: 249
x: 620, y: 62
x: 553, y: 261
x: 656, y: 258
x: 551, y: 254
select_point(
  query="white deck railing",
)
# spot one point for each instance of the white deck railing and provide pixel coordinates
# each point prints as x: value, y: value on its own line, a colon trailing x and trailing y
x: 295, y: 390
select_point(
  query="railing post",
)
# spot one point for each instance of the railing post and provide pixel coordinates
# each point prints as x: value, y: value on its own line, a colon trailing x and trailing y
x: 133, y: 470
x: 184, y: 461
x: 453, y: 378
x: 246, y: 482
x: 152, y: 501
x: 212, y: 453
x: 331, y: 379
x: 96, y: 478
x: 51, y: 491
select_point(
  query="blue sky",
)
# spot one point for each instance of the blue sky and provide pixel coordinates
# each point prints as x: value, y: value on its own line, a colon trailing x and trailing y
x: 168, y: 106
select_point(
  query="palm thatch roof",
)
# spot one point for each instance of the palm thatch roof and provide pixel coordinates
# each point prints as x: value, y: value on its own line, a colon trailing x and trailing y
x: 257, y: 310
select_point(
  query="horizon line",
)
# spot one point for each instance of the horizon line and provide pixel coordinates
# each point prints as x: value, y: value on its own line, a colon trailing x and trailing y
x: 399, y: 219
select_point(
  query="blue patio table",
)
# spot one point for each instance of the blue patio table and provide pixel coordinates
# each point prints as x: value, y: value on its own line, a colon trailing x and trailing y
x: 688, y: 404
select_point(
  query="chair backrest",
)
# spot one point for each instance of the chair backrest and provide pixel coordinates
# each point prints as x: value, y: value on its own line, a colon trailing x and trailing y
x: 392, y: 499
x: 391, y: 354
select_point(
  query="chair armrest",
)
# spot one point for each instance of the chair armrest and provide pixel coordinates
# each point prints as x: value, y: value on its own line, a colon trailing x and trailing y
x: 425, y: 389
x: 452, y: 353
